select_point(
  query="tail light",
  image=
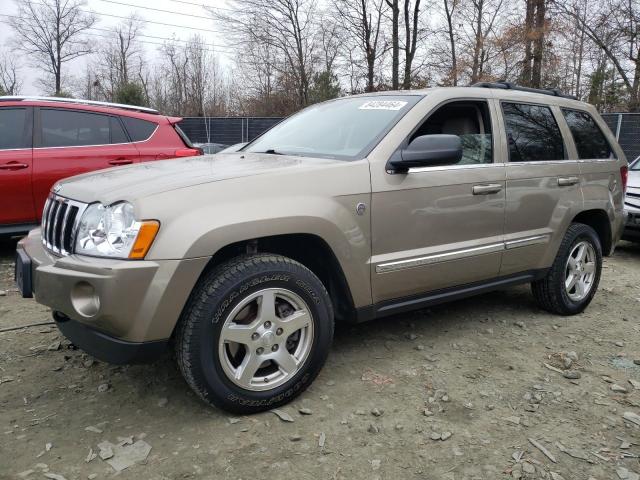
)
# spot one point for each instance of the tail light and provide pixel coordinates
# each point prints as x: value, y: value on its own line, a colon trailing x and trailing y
x: 624, y: 175
x: 187, y: 152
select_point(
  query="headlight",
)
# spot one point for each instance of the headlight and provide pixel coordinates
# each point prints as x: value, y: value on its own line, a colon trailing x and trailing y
x: 113, y: 231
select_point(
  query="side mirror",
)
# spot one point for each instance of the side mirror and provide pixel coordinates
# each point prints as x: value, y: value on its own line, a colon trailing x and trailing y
x: 427, y: 151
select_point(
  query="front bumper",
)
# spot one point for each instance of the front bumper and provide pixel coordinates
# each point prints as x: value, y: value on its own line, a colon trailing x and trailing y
x: 109, y: 304
x: 105, y: 347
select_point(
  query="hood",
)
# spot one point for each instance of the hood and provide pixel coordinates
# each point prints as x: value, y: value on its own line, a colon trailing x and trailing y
x: 148, y: 178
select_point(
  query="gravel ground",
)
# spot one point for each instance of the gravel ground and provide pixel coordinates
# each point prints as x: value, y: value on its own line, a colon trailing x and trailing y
x: 476, y: 389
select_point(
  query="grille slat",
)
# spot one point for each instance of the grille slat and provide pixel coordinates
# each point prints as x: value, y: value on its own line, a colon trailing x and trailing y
x: 60, y: 219
x: 57, y: 227
x: 51, y: 223
x: 69, y: 229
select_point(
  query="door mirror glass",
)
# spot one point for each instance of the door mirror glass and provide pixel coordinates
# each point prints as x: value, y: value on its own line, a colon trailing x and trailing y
x: 428, y: 151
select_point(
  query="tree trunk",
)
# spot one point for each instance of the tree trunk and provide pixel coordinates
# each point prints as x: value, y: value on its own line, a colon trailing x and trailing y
x: 395, y: 44
x: 477, y: 48
x: 411, y: 38
x: 370, y: 72
x: 58, y: 63
x: 452, y: 41
x: 580, y: 59
x: 538, y: 45
x: 528, y: 43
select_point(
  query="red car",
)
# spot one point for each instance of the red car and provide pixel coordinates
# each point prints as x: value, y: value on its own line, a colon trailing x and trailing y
x: 45, y: 139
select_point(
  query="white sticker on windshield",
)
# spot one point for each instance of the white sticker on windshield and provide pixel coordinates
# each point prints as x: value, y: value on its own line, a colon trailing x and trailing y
x: 382, y: 105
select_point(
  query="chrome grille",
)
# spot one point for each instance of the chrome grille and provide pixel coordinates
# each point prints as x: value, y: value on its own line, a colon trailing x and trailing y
x: 60, y: 219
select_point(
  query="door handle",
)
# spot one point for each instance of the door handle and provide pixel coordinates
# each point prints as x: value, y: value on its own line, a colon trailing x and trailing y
x: 13, y: 166
x: 120, y: 161
x: 487, y: 189
x: 567, y: 181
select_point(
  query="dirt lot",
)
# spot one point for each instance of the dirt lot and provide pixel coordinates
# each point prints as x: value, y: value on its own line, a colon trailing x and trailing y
x: 453, y: 392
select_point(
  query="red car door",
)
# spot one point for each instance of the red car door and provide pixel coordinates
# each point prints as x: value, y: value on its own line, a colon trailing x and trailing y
x: 16, y: 199
x: 69, y: 142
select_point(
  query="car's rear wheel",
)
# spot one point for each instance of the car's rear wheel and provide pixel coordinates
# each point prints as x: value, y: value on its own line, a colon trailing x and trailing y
x: 255, y: 333
x: 573, y: 279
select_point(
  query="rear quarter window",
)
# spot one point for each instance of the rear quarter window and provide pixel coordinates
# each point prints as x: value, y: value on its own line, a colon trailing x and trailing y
x: 139, y: 130
x: 118, y: 134
x: 589, y: 139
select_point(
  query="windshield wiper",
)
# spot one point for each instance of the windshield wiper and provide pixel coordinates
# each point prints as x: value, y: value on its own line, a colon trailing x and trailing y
x: 271, y: 151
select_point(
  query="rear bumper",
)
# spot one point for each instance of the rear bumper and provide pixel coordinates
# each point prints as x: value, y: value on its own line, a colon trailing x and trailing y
x: 107, y: 300
x: 632, y: 224
x: 105, y: 347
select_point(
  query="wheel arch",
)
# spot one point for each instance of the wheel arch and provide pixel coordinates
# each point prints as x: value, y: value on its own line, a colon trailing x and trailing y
x: 308, y: 249
x: 598, y: 220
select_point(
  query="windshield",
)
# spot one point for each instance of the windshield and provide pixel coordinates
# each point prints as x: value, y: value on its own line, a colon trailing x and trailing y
x: 346, y: 129
x: 635, y: 165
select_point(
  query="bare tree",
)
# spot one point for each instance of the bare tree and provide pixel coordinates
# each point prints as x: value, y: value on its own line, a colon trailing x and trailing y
x: 482, y: 19
x: 120, y: 59
x: 330, y: 38
x: 10, y: 82
x: 411, y: 37
x: 287, y: 26
x: 51, y: 31
x: 614, y: 27
x: 127, y: 49
x: 362, y: 22
x: 186, y: 81
x: 449, y: 9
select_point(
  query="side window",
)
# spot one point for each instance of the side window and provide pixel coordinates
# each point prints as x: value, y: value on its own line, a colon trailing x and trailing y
x: 532, y: 133
x: 118, y: 134
x: 471, y: 121
x: 15, y: 133
x: 589, y: 139
x: 139, y: 130
x: 68, y: 128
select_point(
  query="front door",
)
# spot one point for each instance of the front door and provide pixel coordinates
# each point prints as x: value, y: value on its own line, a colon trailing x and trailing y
x: 16, y: 204
x: 439, y: 227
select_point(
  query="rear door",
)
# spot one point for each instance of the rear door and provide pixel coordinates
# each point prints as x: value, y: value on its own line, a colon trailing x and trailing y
x: 69, y: 142
x: 16, y: 166
x: 543, y: 186
x: 599, y: 165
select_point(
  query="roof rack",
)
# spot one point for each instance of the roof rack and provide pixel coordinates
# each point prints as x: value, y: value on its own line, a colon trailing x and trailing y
x: 512, y: 86
x: 80, y: 102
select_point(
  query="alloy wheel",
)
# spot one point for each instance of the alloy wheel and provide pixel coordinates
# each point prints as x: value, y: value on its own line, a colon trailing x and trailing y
x: 580, y: 271
x: 266, y: 339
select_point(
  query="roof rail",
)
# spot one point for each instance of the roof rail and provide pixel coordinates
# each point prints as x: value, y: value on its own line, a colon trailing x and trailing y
x: 80, y: 102
x: 512, y: 86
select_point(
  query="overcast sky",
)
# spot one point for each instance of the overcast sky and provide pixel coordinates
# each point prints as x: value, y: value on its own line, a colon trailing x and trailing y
x: 179, y: 14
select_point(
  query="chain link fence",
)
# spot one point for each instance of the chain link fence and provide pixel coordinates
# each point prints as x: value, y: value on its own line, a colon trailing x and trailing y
x: 626, y: 128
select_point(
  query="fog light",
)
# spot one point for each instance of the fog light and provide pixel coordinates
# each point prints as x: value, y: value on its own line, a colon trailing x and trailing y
x: 84, y: 299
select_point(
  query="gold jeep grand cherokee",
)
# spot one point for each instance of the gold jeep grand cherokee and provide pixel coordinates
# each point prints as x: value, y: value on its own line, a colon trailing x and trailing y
x: 352, y: 209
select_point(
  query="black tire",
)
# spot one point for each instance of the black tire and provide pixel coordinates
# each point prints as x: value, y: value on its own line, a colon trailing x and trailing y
x: 550, y: 292
x: 217, y: 293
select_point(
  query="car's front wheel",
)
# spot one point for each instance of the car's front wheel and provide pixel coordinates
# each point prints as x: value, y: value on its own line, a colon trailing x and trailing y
x: 572, y: 280
x: 255, y: 333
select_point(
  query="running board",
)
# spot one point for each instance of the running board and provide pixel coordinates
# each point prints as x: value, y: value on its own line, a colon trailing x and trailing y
x: 416, y: 302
